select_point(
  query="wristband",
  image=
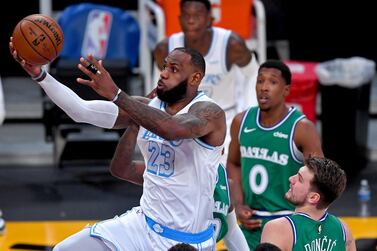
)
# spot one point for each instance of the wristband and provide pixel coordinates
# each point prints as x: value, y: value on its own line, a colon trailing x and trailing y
x: 41, y: 75
x: 116, y: 96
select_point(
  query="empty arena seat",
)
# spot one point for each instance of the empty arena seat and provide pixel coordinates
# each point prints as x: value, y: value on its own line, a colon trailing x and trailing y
x: 108, y: 33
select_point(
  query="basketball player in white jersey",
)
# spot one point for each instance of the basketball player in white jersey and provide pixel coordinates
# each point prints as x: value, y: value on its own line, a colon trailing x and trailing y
x: 181, y: 138
x: 231, y: 68
x: 226, y: 228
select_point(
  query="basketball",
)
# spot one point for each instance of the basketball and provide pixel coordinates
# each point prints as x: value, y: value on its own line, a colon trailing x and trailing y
x: 38, y: 39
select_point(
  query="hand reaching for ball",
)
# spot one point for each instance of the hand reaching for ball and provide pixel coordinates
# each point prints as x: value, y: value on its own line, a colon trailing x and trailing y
x: 32, y: 70
x: 36, y: 40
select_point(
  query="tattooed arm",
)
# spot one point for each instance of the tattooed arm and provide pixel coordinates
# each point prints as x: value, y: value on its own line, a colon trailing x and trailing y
x: 204, y: 120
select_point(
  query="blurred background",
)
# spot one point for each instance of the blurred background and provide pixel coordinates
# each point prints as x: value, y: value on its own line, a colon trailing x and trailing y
x: 54, y: 169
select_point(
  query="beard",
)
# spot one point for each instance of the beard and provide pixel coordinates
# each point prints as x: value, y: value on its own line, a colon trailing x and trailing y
x: 174, y: 94
x: 292, y: 199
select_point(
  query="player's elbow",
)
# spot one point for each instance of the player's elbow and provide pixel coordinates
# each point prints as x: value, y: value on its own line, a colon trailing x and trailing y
x: 118, y: 172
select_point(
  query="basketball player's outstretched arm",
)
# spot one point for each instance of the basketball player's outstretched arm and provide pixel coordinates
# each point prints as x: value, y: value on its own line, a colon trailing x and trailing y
x: 100, y: 113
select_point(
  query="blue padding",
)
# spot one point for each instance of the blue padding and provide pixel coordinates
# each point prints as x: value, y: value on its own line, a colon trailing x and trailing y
x: 124, y: 34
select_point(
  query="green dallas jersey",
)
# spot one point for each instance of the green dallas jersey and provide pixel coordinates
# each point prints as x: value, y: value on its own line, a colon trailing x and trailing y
x: 222, y: 203
x: 326, y: 234
x: 268, y: 159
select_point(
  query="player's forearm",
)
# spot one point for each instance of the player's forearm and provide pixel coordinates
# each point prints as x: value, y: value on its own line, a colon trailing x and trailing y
x: 234, y: 174
x: 96, y: 112
x: 122, y: 165
x: 159, y: 122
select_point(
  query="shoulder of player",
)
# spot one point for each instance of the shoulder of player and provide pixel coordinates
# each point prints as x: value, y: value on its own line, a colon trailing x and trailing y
x: 236, y: 122
x: 162, y: 45
x: 307, y: 138
x: 278, y: 232
x: 239, y: 116
x: 350, y: 240
x: 305, y: 126
x: 237, y: 51
x: 236, y: 42
x: 278, y: 222
x: 347, y: 229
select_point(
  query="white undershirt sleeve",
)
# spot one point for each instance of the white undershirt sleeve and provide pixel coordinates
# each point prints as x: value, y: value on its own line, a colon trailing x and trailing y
x: 100, y: 113
x: 234, y: 239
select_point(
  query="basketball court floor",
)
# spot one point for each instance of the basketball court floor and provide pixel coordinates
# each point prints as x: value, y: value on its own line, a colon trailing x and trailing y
x: 43, y: 204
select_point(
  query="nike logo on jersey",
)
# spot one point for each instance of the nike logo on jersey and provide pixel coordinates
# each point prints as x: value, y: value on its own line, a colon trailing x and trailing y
x: 247, y: 130
x: 223, y: 187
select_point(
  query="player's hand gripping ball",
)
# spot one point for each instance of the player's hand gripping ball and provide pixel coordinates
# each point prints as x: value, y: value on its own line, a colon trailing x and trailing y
x: 38, y: 39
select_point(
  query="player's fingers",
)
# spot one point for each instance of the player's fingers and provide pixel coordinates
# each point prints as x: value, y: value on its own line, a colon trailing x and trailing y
x: 98, y: 64
x: 15, y: 55
x: 94, y: 61
x: 86, y: 70
x: 89, y: 66
x: 12, y: 50
x: 252, y: 224
x: 84, y: 82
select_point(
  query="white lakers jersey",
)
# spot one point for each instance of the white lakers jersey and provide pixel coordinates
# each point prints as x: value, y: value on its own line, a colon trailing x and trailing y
x: 179, y: 178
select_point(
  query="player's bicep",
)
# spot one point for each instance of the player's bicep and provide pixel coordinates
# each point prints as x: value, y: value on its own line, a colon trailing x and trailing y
x: 203, y: 118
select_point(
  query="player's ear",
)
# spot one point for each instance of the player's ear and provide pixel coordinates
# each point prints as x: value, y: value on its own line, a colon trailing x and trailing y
x: 210, y: 21
x: 196, y: 77
x: 314, y: 197
x: 287, y: 89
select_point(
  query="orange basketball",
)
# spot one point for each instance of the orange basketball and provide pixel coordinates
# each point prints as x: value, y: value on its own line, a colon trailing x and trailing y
x: 38, y: 39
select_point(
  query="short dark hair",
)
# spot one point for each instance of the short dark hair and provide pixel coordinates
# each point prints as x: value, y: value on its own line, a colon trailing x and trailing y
x: 206, y: 3
x: 182, y: 247
x: 279, y: 65
x: 196, y: 58
x: 329, y: 179
x: 265, y: 246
